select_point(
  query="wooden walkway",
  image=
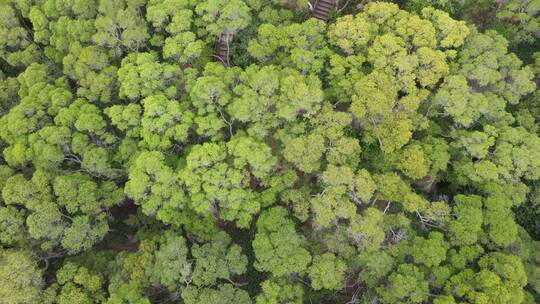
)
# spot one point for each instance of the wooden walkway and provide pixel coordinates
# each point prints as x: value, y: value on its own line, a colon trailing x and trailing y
x: 322, y: 9
x: 221, y: 50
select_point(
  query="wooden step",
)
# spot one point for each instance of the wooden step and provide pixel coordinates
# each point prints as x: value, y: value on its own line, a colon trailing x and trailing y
x: 322, y: 16
x: 325, y: 11
x: 325, y: 5
x: 323, y: 8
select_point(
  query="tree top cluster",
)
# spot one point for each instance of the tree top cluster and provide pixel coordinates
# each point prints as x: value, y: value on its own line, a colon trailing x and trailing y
x: 389, y: 155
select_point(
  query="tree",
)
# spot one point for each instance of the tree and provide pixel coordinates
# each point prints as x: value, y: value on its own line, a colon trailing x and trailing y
x: 255, y: 94
x: 280, y: 290
x: 253, y: 154
x: 126, y: 118
x: 164, y: 122
x: 68, y: 210
x: 277, y: 246
x: 499, y: 279
x: 511, y: 143
x: 300, y: 45
x: 375, y: 266
x: 209, y: 94
x: 82, y: 233
x: 305, y: 152
x: 21, y: 279
x: 327, y: 272
x: 171, y: 266
x: 218, y: 260
x: 16, y: 47
x: 342, y: 191
x: 391, y: 187
x: 119, y: 27
x: 152, y: 184
x: 226, y: 17
x: 524, y: 18
x: 8, y: 96
x: 176, y: 18
x: 502, y: 83
x: 132, y: 270
x: 142, y: 75
x: 367, y: 229
x: 464, y: 256
x: 42, y: 97
x: 525, y: 247
x: 90, y: 67
x: 11, y: 218
x: 266, y: 94
x: 46, y: 146
x: 67, y: 34
x: 429, y: 252
x: 90, y: 138
x: 212, y: 184
x: 407, y: 285
x: 376, y: 99
x: 224, y: 294
x: 79, y: 284
x: 465, y: 229
x: 413, y: 162
x: 11, y: 225
x: 183, y: 47
x: 305, y: 96
x: 499, y: 221
x: 377, y: 38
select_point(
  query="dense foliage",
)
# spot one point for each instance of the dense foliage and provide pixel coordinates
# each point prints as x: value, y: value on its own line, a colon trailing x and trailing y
x: 391, y: 155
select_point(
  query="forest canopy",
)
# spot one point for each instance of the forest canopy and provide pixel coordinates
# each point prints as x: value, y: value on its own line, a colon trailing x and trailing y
x: 389, y: 154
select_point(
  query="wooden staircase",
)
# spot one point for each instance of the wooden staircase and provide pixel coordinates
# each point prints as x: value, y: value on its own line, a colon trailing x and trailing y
x: 221, y: 50
x: 322, y: 8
